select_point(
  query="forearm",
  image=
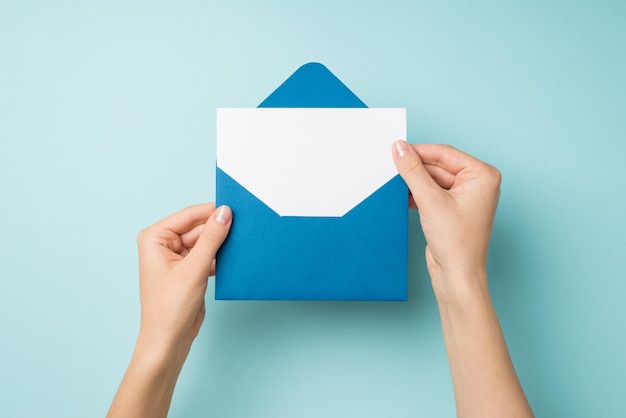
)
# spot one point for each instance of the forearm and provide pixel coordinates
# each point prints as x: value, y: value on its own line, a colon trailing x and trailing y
x: 148, y: 385
x: 484, y: 379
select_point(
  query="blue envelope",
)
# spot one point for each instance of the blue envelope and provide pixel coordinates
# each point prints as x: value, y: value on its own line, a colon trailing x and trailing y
x: 361, y: 255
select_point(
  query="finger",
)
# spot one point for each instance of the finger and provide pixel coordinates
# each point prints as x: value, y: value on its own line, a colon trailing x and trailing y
x: 442, y: 177
x: 200, y: 259
x: 185, y: 220
x: 422, y: 186
x: 189, y: 238
x: 159, y: 247
x: 446, y: 157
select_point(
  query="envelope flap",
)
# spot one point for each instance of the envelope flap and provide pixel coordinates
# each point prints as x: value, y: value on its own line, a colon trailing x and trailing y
x: 312, y: 85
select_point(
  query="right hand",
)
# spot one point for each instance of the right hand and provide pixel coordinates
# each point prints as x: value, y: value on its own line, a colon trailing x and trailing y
x: 456, y: 196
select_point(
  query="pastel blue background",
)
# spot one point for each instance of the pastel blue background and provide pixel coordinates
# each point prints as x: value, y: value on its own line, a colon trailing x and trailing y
x: 107, y: 117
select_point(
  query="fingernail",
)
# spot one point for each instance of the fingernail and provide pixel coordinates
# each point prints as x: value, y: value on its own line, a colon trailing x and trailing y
x: 401, y: 147
x: 223, y: 215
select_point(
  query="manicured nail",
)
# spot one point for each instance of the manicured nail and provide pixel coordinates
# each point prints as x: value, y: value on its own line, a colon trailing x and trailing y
x: 223, y: 215
x: 401, y: 147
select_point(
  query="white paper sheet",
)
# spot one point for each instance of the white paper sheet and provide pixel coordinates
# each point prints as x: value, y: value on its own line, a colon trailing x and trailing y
x: 309, y: 161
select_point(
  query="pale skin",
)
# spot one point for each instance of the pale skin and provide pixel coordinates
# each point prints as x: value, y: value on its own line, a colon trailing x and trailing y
x: 456, y: 196
x: 176, y: 257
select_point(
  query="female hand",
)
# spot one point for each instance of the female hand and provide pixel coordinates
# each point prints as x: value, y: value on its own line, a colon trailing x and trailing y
x: 176, y: 257
x: 456, y: 196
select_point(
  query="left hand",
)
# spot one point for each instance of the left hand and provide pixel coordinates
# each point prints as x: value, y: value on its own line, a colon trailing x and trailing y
x: 176, y: 257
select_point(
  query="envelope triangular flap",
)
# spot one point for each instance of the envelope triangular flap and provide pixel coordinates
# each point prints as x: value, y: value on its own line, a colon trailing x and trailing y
x: 360, y: 256
x: 312, y: 85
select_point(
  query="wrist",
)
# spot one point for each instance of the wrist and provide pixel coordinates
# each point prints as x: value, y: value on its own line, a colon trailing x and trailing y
x: 461, y: 289
x: 150, y: 379
x: 160, y: 355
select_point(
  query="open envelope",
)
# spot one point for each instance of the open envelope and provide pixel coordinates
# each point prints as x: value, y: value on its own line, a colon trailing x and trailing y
x: 298, y: 232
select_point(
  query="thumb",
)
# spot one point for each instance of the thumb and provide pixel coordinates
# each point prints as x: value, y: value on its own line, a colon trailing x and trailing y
x: 422, y: 186
x: 201, y: 256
